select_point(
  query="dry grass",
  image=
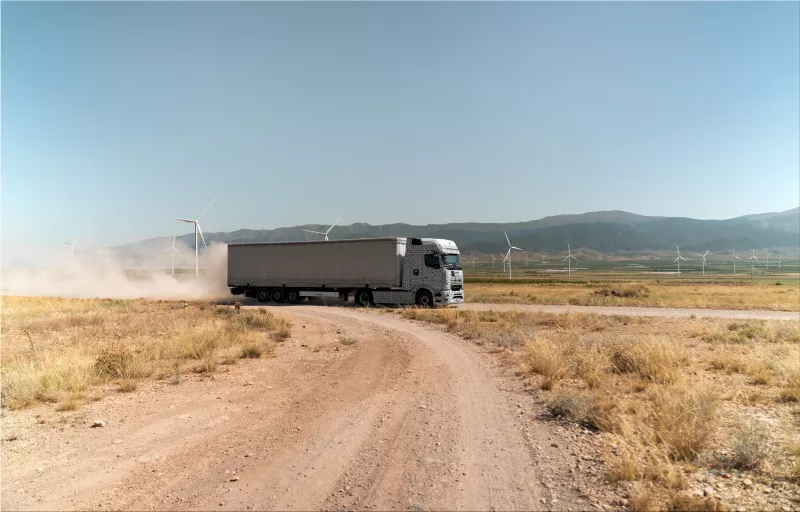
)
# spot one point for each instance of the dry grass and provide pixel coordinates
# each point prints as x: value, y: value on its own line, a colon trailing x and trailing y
x: 544, y: 358
x: 683, y: 503
x: 733, y: 295
x: 685, y: 419
x: 55, y: 350
x: 669, y: 394
x: 652, y: 359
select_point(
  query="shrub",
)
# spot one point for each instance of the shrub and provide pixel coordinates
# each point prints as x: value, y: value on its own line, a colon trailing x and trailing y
x: 127, y: 386
x: 346, y: 341
x: 281, y: 334
x: 683, y: 503
x: 114, y: 361
x: 262, y: 320
x: 684, y: 420
x: 250, y: 351
x: 546, y: 359
x: 750, y: 446
x: 198, y: 343
x: 573, y: 406
x: 654, y: 360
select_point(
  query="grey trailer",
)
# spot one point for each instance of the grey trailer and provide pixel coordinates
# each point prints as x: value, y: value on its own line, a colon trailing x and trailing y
x: 373, y: 270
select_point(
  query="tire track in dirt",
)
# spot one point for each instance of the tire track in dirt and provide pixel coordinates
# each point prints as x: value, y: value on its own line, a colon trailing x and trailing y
x: 408, y: 417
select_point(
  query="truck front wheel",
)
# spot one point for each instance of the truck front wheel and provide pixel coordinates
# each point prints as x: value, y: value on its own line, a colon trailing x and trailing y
x: 277, y: 295
x: 424, y: 299
x: 262, y: 295
x: 363, y: 298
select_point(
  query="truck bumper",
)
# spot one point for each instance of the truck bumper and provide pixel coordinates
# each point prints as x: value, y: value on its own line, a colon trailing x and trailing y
x: 450, y: 297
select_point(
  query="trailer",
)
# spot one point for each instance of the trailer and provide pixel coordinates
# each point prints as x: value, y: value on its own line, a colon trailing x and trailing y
x: 424, y: 271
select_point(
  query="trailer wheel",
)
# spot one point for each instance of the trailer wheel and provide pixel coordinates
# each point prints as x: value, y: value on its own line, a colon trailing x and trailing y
x: 363, y: 298
x: 424, y: 299
x: 277, y: 295
x: 293, y: 296
x: 262, y: 295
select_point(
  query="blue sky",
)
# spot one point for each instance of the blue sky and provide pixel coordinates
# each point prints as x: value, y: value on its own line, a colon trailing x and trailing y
x: 117, y: 116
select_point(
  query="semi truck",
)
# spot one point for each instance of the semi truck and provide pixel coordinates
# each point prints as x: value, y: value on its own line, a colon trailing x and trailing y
x: 423, y: 271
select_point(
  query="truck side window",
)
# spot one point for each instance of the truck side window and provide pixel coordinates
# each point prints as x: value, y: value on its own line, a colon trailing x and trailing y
x: 432, y: 260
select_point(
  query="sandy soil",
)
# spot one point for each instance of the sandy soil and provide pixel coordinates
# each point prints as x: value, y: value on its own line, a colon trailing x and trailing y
x: 407, y: 417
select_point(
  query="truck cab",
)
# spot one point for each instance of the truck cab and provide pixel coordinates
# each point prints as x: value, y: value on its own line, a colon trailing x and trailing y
x: 434, y: 263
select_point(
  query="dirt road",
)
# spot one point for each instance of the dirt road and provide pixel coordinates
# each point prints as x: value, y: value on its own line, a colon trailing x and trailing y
x: 406, y: 417
x: 639, y: 311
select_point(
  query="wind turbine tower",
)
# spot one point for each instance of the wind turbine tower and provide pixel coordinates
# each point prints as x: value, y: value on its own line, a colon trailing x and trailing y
x: 173, y: 250
x: 71, y: 251
x: 508, y: 254
x: 678, y: 259
x: 569, y: 259
x: 197, y: 230
x: 734, y: 259
x: 752, y: 259
x: 704, y: 260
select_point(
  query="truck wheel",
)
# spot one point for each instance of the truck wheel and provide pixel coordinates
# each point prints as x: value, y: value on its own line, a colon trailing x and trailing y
x: 363, y: 298
x: 293, y: 296
x: 277, y: 295
x: 424, y: 299
x: 262, y: 295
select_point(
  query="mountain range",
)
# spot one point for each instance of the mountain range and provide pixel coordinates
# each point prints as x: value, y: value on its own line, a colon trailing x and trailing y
x: 605, y: 232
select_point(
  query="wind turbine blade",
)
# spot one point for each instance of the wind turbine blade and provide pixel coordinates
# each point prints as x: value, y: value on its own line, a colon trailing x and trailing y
x: 330, y: 228
x: 179, y: 252
x: 207, y: 207
x: 507, y: 240
x: 200, y: 231
x: 63, y: 242
x: 676, y: 259
x: 184, y: 220
x: 565, y: 259
x: 315, y: 232
x: 706, y: 253
x: 167, y: 249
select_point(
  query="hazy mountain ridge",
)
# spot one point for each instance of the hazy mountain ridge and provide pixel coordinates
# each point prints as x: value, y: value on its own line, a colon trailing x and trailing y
x: 607, y: 232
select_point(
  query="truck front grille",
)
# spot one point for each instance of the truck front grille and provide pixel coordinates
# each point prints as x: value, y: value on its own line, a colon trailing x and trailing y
x: 456, y: 287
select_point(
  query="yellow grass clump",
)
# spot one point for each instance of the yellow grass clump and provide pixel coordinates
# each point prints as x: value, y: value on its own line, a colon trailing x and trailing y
x: 54, y: 350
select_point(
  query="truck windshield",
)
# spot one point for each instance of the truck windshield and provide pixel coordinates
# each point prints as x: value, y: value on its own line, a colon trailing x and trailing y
x: 451, y: 261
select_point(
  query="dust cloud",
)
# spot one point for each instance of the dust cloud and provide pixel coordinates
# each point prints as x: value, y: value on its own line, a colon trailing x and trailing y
x: 102, y: 273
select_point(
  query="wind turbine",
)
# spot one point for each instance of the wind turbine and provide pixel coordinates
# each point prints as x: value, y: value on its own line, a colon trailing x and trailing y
x: 752, y: 259
x: 173, y: 250
x: 569, y: 259
x: 779, y: 262
x: 767, y: 261
x: 493, y: 258
x: 704, y: 260
x: 734, y: 259
x: 71, y: 251
x: 473, y: 263
x: 679, y: 258
x: 508, y: 254
x: 325, y: 234
x: 197, y: 231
